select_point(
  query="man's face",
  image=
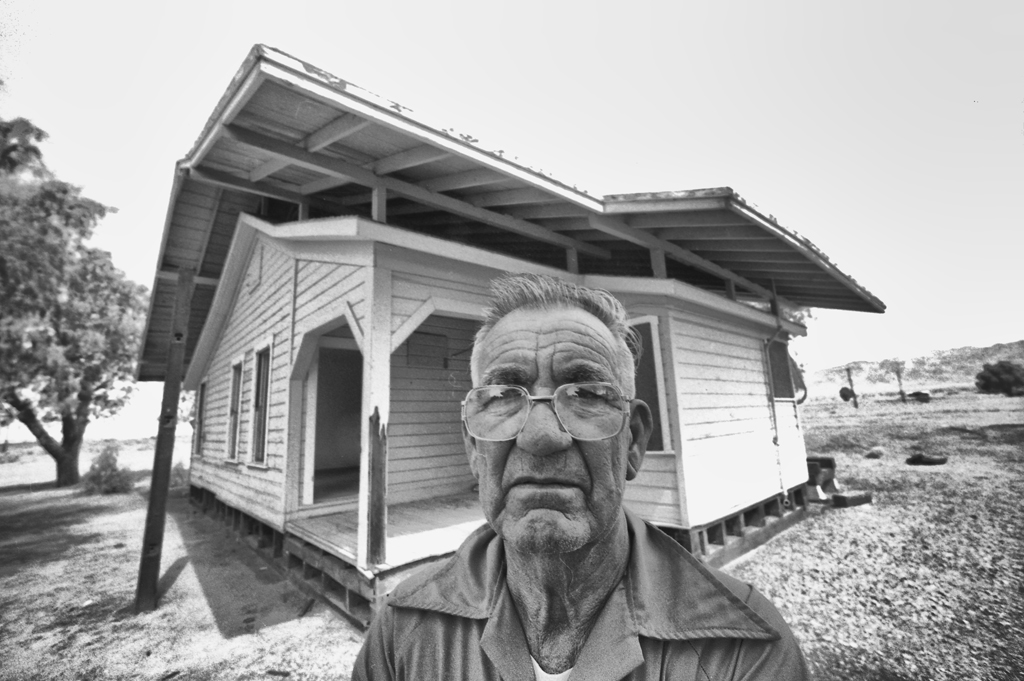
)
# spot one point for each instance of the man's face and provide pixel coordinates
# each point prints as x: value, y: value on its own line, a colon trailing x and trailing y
x: 545, y: 491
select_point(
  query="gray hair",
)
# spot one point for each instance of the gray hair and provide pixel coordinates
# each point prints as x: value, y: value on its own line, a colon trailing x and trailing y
x: 513, y: 292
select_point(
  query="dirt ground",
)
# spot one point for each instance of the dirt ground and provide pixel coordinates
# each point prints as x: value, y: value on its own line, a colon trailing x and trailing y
x: 925, y: 583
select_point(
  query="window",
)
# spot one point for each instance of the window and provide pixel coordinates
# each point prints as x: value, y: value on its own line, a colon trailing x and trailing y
x: 782, y: 377
x: 234, y: 409
x: 649, y: 383
x: 259, y: 406
x: 198, y: 429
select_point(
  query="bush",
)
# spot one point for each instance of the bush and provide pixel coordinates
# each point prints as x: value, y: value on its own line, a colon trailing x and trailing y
x: 105, y: 476
x: 1003, y: 377
x: 179, y: 476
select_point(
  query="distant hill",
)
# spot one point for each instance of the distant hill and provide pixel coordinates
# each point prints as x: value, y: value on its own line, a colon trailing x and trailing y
x: 945, y: 367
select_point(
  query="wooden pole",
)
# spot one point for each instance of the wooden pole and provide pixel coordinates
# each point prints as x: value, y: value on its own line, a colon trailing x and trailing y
x: 849, y: 378
x: 899, y: 379
x: 378, y: 520
x: 153, y: 539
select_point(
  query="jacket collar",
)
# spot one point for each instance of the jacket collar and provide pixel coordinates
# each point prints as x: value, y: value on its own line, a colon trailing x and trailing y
x: 666, y: 593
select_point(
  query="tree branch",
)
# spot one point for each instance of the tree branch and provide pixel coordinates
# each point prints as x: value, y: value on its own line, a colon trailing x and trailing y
x: 27, y: 415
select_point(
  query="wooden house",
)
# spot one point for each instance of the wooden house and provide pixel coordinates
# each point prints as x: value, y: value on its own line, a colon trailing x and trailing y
x: 339, y: 251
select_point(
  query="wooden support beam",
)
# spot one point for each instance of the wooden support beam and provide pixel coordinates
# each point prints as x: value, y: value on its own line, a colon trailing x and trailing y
x: 304, y: 211
x: 379, y: 209
x: 156, y: 514
x: 511, y: 197
x: 616, y: 227
x: 376, y: 400
x: 417, y: 156
x: 378, y: 520
x: 572, y: 260
x: 550, y: 210
x: 197, y: 281
x: 267, y: 169
x: 471, y: 178
x: 221, y: 179
x: 667, y: 205
x: 335, y: 131
x: 658, y: 266
x: 730, y: 289
x: 344, y: 169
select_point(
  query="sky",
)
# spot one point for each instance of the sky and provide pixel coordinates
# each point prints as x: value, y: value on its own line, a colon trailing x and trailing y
x: 890, y: 134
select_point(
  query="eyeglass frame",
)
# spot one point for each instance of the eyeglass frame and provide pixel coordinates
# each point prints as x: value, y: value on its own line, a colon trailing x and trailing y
x: 550, y: 399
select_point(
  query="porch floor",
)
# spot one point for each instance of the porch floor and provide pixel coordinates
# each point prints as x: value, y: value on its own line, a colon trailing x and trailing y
x: 416, y: 530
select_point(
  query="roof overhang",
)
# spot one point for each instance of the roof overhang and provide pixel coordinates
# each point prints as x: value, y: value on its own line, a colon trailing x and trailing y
x: 289, y: 141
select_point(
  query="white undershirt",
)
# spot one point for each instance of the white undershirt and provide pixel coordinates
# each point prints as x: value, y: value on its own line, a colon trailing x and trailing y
x: 544, y: 676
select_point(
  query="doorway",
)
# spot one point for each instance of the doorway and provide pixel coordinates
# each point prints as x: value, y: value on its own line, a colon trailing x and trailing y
x: 339, y: 391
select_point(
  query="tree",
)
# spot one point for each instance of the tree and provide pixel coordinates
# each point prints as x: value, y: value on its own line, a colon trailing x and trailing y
x: 70, y: 322
x: 1003, y: 377
x: 19, y: 147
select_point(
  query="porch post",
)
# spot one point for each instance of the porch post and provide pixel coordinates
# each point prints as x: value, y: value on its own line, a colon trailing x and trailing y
x: 153, y: 538
x: 372, y: 535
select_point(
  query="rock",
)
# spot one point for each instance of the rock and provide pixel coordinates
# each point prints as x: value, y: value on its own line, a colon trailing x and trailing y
x: 921, y: 396
x: 846, y: 394
x: 851, y: 498
x: 876, y: 453
x: 922, y: 459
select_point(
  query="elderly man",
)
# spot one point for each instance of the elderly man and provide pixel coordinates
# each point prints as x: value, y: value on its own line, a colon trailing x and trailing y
x: 563, y: 581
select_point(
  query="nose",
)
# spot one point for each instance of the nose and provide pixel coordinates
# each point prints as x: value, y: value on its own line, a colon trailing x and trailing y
x: 543, y: 434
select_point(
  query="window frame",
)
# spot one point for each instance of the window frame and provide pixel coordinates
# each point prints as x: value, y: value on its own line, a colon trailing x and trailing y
x: 259, y: 423
x: 667, y: 445
x: 237, y: 377
x: 199, y: 424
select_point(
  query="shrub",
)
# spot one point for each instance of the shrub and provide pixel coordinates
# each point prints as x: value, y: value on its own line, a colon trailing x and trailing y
x: 179, y: 476
x: 1003, y: 377
x: 105, y: 476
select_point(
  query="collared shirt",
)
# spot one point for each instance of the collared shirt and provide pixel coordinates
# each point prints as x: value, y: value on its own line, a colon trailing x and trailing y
x: 670, y: 617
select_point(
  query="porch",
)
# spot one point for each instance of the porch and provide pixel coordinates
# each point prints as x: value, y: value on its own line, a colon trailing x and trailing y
x: 416, y: 530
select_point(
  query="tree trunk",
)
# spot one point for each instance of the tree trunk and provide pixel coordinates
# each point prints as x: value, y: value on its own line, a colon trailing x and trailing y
x: 67, y: 468
x: 64, y: 453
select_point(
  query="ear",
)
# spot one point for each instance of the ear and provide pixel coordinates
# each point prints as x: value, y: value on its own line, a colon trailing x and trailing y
x: 471, y: 451
x: 641, y: 424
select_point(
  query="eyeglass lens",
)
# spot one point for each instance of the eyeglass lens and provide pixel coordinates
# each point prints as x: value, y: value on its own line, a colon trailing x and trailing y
x: 587, y: 411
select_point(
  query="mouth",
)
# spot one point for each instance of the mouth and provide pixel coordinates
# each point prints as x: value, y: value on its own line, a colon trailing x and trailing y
x: 544, y: 483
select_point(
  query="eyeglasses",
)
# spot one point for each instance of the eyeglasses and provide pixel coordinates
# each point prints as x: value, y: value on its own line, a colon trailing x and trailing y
x: 587, y: 411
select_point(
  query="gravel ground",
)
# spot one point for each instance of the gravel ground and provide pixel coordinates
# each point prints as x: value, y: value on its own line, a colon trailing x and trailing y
x: 927, y: 581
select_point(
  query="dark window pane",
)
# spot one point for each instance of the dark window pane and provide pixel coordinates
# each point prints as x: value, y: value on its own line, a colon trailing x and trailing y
x: 647, y: 384
x: 782, y: 380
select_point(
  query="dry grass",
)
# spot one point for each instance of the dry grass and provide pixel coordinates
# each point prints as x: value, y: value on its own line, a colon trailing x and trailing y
x: 925, y: 583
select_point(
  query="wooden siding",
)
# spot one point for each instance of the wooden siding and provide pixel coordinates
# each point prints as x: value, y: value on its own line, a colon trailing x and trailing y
x: 327, y: 291
x: 792, y: 451
x: 728, y: 456
x: 426, y: 455
x: 261, y: 312
x: 654, y: 493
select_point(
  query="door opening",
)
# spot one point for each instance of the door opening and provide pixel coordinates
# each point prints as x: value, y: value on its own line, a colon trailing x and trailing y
x: 339, y: 393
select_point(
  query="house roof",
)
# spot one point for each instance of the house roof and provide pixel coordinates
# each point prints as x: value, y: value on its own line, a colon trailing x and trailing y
x: 289, y: 141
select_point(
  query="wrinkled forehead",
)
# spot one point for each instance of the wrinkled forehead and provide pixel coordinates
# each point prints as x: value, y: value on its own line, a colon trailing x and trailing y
x: 574, y: 343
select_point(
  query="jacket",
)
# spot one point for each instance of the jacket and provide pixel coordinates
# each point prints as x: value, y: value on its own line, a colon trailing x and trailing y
x: 670, y: 617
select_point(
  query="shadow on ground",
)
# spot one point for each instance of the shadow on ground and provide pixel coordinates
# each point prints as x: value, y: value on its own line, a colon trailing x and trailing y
x: 243, y: 591
x: 38, y: 533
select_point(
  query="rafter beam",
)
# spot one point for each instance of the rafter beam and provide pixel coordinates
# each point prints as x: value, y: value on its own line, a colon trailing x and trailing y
x: 367, y: 178
x: 267, y: 169
x: 336, y: 130
x: 618, y: 228
x: 510, y: 197
x: 464, y: 180
x: 547, y: 211
x: 219, y: 178
x: 410, y: 158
